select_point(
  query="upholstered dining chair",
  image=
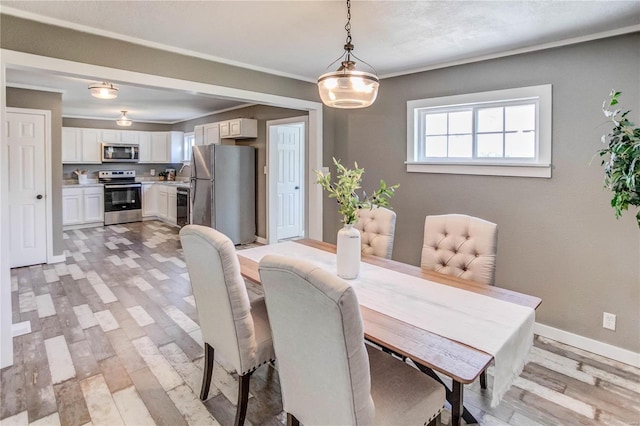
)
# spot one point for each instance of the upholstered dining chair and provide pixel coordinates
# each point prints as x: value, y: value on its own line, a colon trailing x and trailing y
x: 462, y: 246
x: 377, y: 227
x: 328, y: 375
x: 230, y: 323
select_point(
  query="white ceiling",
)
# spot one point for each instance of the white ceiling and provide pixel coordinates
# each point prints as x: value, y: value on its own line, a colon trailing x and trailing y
x: 300, y: 38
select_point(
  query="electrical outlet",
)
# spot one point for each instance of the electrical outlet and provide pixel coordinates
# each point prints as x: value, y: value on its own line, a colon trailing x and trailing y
x: 153, y: 172
x: 609, y: 321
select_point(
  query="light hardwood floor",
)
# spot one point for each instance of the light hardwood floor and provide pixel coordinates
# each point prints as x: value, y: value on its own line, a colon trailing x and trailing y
x: 115, y: 340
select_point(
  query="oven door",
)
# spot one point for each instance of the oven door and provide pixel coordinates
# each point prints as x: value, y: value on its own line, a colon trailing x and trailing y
x: 122, y: 197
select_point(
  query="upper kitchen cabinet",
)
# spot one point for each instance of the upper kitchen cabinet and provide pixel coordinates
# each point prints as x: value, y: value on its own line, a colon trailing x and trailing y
x: 110, y: 136
x: 120, y: 136
x: 239, y: 128
x: 207, y: 134
x: 80, y: 145
x: 162, y: 147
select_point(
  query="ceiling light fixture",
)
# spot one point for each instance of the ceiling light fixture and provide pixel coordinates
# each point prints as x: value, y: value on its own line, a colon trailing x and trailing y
x: 103, y: 90
x: 123, y: 120
x: 347, y: 88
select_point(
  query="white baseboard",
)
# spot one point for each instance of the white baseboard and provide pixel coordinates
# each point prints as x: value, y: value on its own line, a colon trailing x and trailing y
x: 261, y: 240
x: 56, y: 259
x: 604, y: 349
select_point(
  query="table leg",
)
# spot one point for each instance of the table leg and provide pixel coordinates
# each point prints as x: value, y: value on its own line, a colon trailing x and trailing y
x: 455, y: 398
x: 456, y: 402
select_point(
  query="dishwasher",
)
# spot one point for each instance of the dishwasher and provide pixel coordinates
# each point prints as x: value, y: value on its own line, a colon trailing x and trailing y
x: 183, y: 207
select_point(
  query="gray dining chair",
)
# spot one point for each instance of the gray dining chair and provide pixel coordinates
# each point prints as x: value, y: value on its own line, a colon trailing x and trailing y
x: 230, y: 323
x: 377, y: 228
x: 462, y: 246
x: 328, y: 375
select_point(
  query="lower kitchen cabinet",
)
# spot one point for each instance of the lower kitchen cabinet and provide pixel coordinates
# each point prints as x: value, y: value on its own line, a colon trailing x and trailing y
x: 82, y: 206
x: 167, y: 203
x: 149, y: 199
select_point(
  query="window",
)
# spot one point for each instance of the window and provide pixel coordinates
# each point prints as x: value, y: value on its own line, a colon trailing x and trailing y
x: 189, y: 140
x: 504, y: 133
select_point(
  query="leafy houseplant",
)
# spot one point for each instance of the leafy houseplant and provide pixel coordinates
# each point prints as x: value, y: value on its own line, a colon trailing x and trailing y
x: 163, y: 175
x: 344, y: 191
x: 621, y: 158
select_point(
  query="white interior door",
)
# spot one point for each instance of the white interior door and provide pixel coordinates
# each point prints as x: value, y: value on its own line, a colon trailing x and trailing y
x: 27, y: 185
x: 289, y: 180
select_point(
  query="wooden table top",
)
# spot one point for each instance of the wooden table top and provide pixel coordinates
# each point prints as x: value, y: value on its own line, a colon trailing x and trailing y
x: 456, y: 360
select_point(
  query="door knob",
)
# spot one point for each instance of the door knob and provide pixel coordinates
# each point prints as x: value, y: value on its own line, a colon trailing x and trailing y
x: 297, y: 187
x: 39, y: 196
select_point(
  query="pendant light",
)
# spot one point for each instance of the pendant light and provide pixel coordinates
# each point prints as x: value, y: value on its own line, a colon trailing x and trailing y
x: 123, y: 120
x: 103, y: 90
x: 347, y: 88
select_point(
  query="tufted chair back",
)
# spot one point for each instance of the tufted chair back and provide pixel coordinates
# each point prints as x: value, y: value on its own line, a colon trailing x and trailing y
x: 377, y: 227
x: 460, y: 245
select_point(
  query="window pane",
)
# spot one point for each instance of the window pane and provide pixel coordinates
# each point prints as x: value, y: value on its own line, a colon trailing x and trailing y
x: 436, y: 146
x: 460, y: 146
x: 460, y: 122
x: 490, y: 145
x: 490, y: 120
x: 435, y: 124
x: 520, y: 144
x: 521, y: 117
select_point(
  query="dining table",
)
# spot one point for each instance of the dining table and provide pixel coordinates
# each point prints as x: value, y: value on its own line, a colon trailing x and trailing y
x: 442, y: 323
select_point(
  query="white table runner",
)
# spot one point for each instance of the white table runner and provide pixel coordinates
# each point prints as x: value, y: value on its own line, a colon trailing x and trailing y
x: 500, y: 328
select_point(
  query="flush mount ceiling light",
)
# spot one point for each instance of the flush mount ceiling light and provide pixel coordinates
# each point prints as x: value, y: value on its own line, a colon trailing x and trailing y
x: 103, y: 90
x: 347, y: 88
x: 123, y: 120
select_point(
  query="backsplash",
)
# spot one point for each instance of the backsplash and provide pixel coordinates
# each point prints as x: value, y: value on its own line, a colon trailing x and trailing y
x: 142, y: 170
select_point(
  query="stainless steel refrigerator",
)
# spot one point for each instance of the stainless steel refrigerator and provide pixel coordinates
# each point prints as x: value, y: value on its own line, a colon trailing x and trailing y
x: 223, y: 190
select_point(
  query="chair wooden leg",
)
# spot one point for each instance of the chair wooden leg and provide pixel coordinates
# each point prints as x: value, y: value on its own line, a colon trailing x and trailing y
x: 208, y: 371
x: 243, y: 398
x: 483, y: 380
x: 291, y: 420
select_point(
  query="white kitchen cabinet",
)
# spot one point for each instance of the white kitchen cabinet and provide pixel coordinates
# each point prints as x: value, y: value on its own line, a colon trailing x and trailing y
x: 211, y: 133
x: 198, y: 132
x: 93, y: 205
x: 129, y: 136
x: 239, y: 128
x: 110, y: 136
x: 71, y: 206
x: 80, y: 145
x: 144, y: 147
x: 82, y: 206
x: 149, y: 199
x: 91, y: 146
x: 172, y: 208
x: 165, y: 147
x: 163, y: 204
x: 168, y: 203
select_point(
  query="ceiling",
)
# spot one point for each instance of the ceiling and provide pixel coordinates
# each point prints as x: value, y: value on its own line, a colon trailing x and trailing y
x: 299, y: 39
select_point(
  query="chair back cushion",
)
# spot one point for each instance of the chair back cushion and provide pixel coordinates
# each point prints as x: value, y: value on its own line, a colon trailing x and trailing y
x: 319, y: 343
x: 220, y: 294
x: 460, y: 245
x: 377, y: 227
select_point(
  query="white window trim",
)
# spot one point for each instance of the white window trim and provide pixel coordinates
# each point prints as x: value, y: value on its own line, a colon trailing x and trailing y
x: 540, y: 167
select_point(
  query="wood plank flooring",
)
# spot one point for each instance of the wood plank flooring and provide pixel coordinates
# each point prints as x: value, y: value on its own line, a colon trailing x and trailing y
x: 115, y: 340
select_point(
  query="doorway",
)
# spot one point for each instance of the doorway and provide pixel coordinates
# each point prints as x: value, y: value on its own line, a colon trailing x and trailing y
x: 286, y: 171
x: 27, y: 142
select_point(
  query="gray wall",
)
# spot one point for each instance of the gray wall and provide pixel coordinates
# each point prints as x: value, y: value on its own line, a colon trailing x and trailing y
x: 111, y: 124
x: 22, y: 98
x: 262, y: 113
x: 558, y: 238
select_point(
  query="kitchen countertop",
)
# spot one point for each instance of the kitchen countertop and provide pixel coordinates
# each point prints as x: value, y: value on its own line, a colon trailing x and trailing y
x: 73, y: 183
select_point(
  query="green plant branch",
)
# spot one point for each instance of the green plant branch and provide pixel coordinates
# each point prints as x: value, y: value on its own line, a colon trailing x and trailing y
x: 621, y: 158
x: 344, y: 190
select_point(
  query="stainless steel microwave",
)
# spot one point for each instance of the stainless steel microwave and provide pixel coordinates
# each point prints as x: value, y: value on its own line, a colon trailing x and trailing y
x: 120, y: 153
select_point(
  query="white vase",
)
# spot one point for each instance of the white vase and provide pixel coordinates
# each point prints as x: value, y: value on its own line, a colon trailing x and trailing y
x: 348, y: 252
